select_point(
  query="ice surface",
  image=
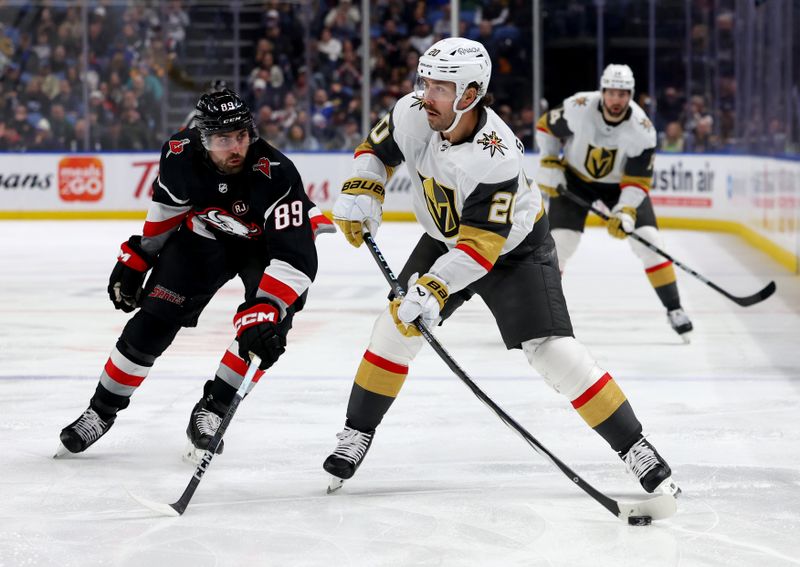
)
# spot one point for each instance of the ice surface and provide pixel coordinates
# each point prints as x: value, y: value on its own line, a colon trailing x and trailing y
x: 446, y: 483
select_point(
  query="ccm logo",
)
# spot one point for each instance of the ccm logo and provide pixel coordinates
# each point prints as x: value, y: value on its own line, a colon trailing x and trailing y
x: 80, y: 179
x: 252, y: 319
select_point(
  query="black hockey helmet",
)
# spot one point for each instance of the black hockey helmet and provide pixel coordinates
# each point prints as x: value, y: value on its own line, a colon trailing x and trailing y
x: 223, y: 111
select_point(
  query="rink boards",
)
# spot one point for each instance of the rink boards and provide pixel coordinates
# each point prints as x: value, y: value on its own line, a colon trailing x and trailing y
x: 753, y: 196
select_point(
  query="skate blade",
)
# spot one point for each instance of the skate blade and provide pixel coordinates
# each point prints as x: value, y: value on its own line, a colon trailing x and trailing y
x: 669, y: 487
x: 686, y: 337
x: 335, y: 484
x: 192, y: 454
x: 61, y: 451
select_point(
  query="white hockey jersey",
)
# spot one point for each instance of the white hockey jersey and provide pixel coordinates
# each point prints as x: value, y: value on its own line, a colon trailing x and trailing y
x: 594, y: 150
x: 473, y: 196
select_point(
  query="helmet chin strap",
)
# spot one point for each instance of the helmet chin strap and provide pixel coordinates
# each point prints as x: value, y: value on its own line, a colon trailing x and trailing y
x: 460, y: 113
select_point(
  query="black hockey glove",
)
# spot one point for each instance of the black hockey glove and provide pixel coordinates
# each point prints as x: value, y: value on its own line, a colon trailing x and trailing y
x: 127, y: 277
x: 256, y: 324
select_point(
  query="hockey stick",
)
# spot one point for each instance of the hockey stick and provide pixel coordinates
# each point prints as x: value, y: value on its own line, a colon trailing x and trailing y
x: 179, y: 507
x: 743, y: 301
x: 658, y: 507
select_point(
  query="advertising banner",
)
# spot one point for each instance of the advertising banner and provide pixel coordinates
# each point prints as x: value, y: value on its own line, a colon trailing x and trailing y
x: 760, y: 194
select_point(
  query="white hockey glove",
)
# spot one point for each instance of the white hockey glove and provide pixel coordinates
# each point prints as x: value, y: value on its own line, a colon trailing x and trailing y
x: 359, y: 204
x: 425, y: 298
x: 622, y: 221
x: 550, y: 175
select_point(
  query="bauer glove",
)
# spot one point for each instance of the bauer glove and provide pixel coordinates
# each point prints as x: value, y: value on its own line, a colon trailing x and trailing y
x: 550, y: 176
x: 257, y: 330
x: 425, y: 298
x: 359, y: 206
x: 127, y: 277
x: 622, y: 221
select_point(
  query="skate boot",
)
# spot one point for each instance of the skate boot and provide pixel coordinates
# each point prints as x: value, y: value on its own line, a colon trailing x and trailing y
x: 347, y: 456
x: 650, y: 468
x: 83, y: 432
x: 680, y: 323
x: 203, y: 424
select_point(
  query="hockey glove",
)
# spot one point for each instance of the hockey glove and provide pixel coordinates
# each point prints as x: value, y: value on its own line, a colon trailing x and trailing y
x: 359, y: 205
x: 622, y: 221
x: 425, y: 299
x: 256, y: 324
x: 550, y: 176
x: 127, y: 277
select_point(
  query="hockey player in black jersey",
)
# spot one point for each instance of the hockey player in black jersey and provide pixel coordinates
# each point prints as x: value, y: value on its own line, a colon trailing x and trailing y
x: 225, y: 204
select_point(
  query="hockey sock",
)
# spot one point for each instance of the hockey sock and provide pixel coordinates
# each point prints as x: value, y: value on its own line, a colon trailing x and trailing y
x: 604, y: 407
x: 107, y: 404
x: 377, y: 383
x: 662, y: 278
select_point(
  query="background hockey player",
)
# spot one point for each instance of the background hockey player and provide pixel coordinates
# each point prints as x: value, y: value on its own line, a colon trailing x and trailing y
x: 224, y: 204
x: 486, y: 233
x: 608, y: 151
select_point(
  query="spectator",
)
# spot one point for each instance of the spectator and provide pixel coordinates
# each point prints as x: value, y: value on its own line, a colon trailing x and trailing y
x: 329, y: 46
x: 344, y: 19
x: 297, y: 140
x: 63, y: 131
x: 703, y: 140
x: 134, y: 135
x: 43, y: 137
x: 672, y: 138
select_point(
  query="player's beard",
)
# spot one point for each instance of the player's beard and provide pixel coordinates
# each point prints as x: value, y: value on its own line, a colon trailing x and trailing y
x: 439, y: 123
x: 231, y: 166
x: 618, y: 114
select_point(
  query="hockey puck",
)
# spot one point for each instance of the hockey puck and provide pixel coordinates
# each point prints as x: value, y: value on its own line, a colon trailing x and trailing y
x: 639, y: 520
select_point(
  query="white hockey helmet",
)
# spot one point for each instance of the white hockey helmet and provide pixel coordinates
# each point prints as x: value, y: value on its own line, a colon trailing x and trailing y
x: 618, y: 77
x: 461, y: 61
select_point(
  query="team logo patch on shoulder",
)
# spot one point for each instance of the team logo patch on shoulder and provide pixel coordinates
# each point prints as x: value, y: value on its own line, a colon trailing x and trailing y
x: 580, y: 101
x: 265, y: 166
x: 176, y: 146
x: 492, y: 143
x: 646, y: 124
x: 419, y: 103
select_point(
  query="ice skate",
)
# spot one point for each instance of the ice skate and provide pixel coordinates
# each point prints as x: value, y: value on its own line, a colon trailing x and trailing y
x: 681, y: 324
x: 83, y: 432
x: 203, y: 424
x: 347, y: 456
x: 650, y: 468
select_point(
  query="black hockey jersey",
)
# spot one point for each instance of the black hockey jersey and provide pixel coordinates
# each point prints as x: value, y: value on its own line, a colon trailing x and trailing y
x: 263, y: 207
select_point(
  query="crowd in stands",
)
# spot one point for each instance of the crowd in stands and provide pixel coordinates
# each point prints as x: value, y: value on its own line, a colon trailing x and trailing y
x: 304, y: 83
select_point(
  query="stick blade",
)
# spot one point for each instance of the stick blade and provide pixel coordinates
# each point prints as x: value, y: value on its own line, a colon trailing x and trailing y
x: 757, y: 297
x: 660, y: 507
x: 159, y: 507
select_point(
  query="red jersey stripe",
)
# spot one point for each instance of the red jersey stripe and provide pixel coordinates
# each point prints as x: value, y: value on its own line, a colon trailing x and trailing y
x: 469, y: 251
x: 154, y: 228
x: 276, y: 287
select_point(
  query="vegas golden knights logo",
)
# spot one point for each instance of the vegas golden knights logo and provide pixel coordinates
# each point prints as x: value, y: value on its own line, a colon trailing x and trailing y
x: 599, y: 161
x: 441, y: 202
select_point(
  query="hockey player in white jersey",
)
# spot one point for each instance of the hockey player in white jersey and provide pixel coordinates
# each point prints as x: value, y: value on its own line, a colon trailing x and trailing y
x: 486, y: 233
x: 608, y: 151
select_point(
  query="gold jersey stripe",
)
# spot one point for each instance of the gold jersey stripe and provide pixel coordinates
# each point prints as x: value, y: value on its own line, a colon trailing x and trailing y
x: 486, y: 243
x: 377, y: 380
x: 662, y: 276
x: 551, y: 161
x: 542, y: 126
x: 641, y: 182
x: 602, y: 405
